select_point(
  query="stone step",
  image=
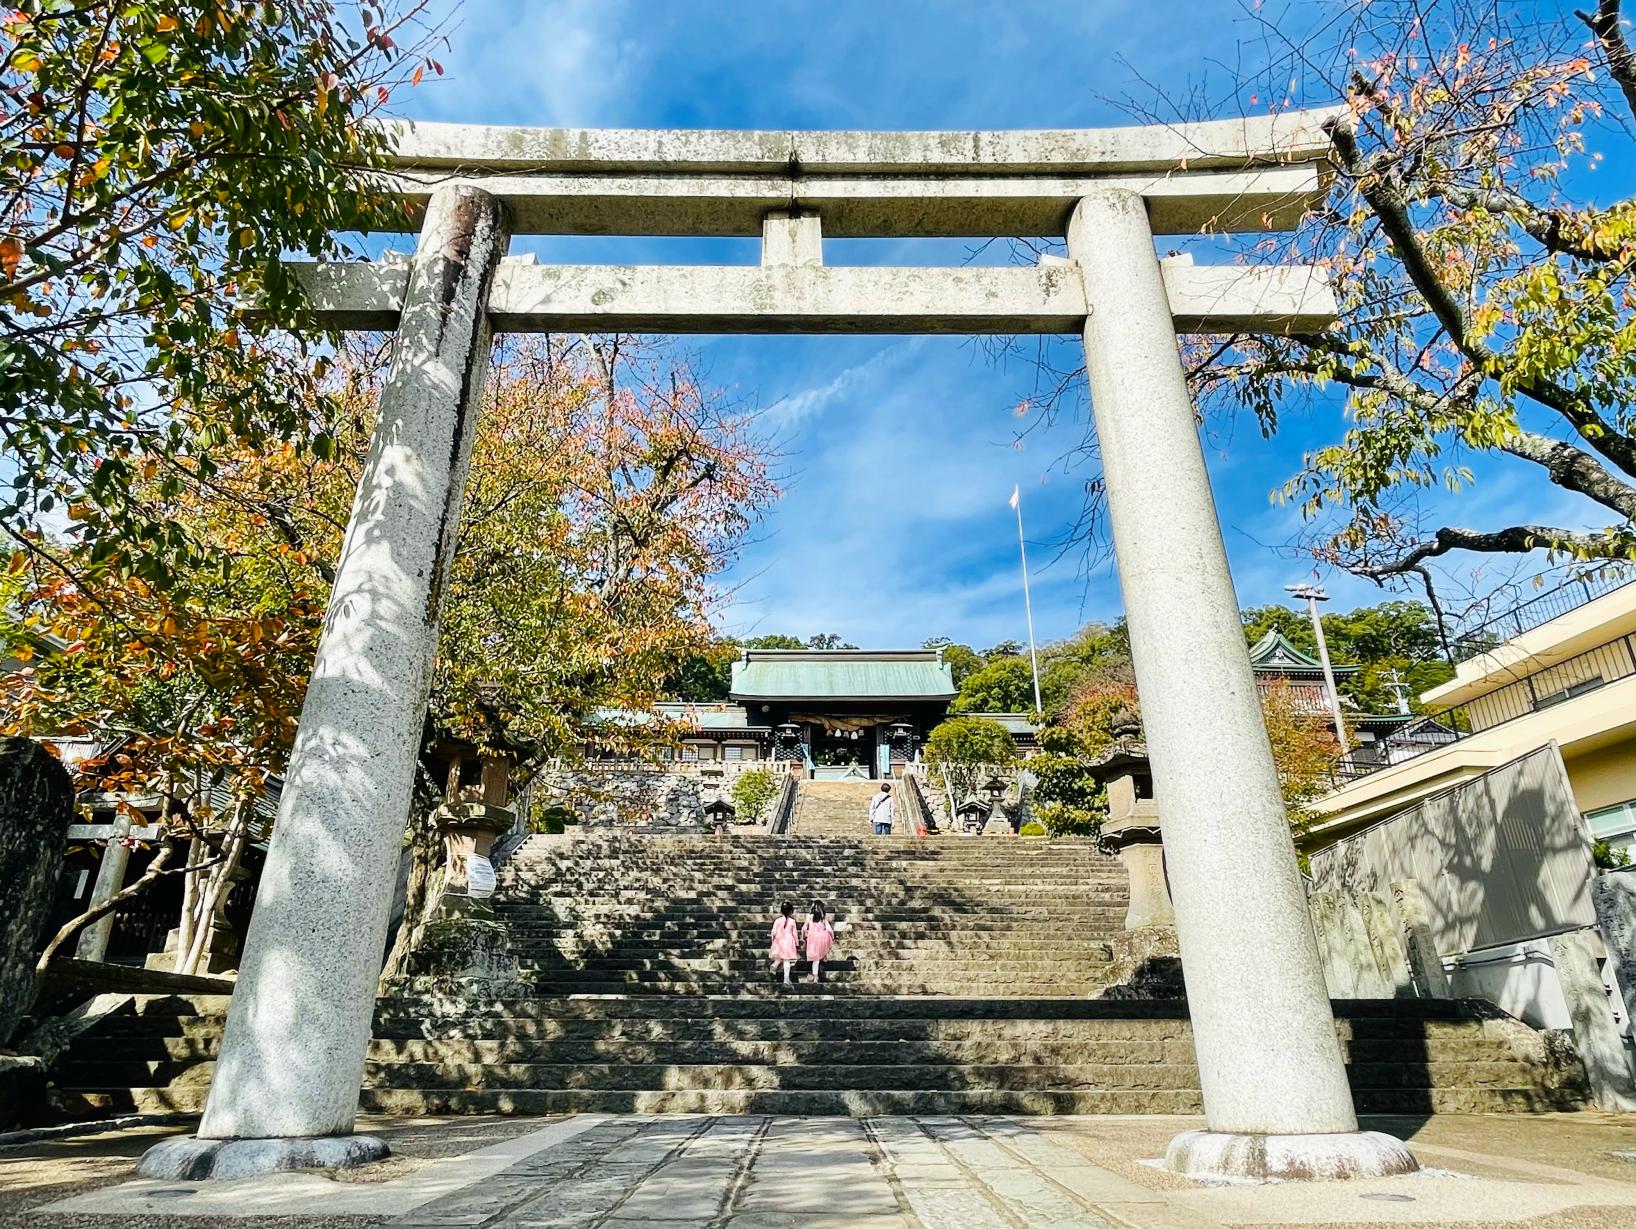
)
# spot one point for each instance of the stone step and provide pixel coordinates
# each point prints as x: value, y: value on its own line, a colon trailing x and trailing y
x: 845, y: 1103
x: 876, y: 1103
x: 978, y: 1049
x: 754, y: 961
x: 638, y: 987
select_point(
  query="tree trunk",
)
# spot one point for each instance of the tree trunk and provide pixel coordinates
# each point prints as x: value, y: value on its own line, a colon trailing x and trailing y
x: 196, y: 852
x: 214, y: 888
x: 421, y: 892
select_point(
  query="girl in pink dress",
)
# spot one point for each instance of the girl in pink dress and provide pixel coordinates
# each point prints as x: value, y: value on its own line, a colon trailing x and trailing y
x: 782, y: 949
x: 817, y: 936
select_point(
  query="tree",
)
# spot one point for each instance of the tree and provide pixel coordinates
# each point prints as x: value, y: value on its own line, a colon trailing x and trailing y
x: 607, y: 487
x: 752, y: 791
x: 1396, y: 645
x: 961, y: 659
x: 157, y: 160
x: 1303, y: 749
x: 828, y: 640
x: 774, y: 642
x: 705, y: 677
x: 1068, y: 798
x: 962, y: 749
x: 1107, y: 710
x: 1487, y: 304
x: 1003, y: 686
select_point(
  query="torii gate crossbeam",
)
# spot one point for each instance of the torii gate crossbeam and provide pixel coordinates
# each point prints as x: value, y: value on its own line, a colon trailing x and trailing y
x: 1270, y: 1066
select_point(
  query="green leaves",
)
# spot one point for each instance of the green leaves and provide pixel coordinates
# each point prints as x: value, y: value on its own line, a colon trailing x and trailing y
x: 157, y: 159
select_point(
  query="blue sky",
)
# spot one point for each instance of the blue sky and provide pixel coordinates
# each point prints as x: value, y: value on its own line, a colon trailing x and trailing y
x: 902, y: 451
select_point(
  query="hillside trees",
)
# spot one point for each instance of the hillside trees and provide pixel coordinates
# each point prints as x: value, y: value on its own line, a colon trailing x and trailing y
x: 1396, y: 646
x: 608, y: 486
x: 156, y: 161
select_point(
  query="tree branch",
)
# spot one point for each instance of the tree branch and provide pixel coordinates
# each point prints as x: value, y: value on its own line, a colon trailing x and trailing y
x: 1605, y: 25
x: 1517, y: 539
x: 1574, y: 470
x: 1389, y: 204
x: 73, y: 927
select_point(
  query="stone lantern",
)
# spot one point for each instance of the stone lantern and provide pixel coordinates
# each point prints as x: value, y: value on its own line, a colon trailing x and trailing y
x: 1132, y: 831
x: 473, y: 816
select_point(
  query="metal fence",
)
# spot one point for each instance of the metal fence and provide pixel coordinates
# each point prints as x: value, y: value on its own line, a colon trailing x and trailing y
x: 1585, y: 672
x: 1570, y: 595
x: 1502, y: 858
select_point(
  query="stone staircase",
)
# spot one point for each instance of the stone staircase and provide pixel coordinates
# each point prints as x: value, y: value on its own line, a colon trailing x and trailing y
x: 961, y: 987
x: 835, y: 808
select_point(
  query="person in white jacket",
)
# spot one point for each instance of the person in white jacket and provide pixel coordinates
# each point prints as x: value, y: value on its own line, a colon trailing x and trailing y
x: 880, y: 810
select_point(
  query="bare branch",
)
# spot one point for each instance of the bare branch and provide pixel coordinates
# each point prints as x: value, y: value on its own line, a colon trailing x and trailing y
x: 1610, y: 35
x: 1517, y: 539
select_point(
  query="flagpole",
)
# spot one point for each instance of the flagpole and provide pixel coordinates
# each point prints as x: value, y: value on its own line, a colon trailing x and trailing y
x: 1028, y: 602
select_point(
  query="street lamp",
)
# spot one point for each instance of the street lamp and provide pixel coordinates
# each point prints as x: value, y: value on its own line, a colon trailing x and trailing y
x: 1312, y: 595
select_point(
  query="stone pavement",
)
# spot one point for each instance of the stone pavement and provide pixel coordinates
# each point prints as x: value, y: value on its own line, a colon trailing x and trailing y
x: 1567, y: 1171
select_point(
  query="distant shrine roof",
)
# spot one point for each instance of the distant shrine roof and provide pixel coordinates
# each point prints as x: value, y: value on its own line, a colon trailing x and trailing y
x: 842, y: 674
x: 1273, y: 654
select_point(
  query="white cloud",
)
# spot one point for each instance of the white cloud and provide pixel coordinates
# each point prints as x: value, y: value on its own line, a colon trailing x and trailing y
x: 546, y: 62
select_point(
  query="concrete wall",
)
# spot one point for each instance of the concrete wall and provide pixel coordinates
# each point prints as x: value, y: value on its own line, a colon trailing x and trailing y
x: 1519, y: 978
x: 1604, y: 776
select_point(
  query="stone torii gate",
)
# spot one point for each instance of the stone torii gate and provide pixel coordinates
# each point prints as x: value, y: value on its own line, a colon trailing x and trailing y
x: 1275, y: 1091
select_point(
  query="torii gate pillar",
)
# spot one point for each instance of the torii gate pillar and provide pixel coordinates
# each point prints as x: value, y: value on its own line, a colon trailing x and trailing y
x: 1276, y: 1097
x: 285, y: 1092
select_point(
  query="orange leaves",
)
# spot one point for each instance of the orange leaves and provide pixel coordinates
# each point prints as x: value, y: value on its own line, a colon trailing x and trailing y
x: 11, y: 254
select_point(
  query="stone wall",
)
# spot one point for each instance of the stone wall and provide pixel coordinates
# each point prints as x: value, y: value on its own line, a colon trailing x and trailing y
x: 605, y: 798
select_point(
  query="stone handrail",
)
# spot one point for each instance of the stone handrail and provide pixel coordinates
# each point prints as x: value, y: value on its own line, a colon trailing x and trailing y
x: 778, y: 823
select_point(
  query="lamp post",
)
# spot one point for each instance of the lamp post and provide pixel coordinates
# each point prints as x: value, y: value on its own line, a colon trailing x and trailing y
x: 1312, y: 595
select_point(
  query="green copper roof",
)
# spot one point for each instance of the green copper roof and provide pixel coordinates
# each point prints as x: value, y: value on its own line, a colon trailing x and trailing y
x: 1273, y: 654
x: 843, y: 674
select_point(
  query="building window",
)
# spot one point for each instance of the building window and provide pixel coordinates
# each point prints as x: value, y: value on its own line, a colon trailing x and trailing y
x: 689, y: 751
x: 1616, y: 824
x: 1569, y: 692
x: 732, y: 751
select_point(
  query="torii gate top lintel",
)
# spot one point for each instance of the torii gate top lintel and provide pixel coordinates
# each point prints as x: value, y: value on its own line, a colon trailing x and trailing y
x: 1245, y: 174
x: 793, y: 189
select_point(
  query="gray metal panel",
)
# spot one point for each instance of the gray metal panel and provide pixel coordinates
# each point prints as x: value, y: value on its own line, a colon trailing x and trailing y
x: 1501, y: 859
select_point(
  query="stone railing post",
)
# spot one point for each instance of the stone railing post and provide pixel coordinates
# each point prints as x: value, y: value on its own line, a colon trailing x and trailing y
x: 116, y: 858
x: 1276, y: 1097
x: 285, y: 1091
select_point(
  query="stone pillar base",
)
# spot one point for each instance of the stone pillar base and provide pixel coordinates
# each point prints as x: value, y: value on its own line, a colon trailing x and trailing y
x: 1287, y: 1158
x: 191, y: 1159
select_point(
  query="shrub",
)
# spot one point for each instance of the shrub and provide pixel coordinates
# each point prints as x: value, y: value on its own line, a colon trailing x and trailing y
x: 753, y: 790
x: 1068, y: 799
x: 1607, y: 858
x: 962, y: 749
x: 553, y: 820
x: 1032, y: 828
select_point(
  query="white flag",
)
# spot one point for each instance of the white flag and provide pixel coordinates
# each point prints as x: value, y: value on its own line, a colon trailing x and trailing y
x: 1016, y: 494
